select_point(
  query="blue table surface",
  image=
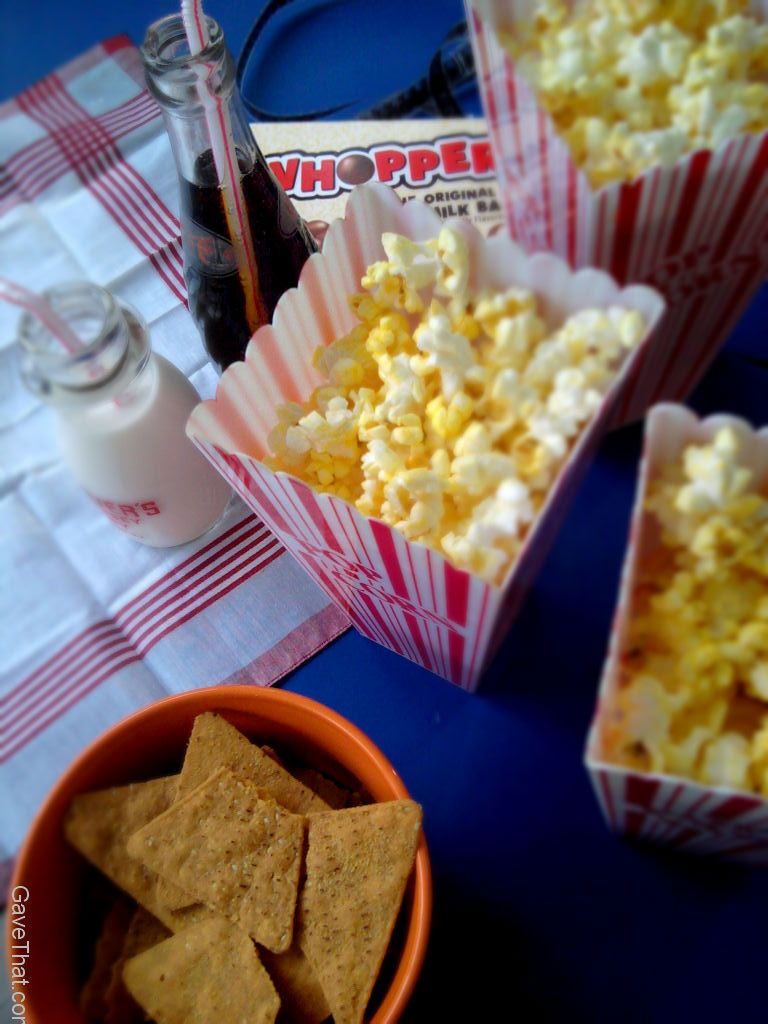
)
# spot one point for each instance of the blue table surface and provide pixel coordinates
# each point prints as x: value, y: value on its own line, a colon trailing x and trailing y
x: 540, y: 913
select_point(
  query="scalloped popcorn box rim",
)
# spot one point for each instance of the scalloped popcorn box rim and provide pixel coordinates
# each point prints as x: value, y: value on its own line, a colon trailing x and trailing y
x: 657, y: 806
x: 232, y: 430
x: 695, y: 229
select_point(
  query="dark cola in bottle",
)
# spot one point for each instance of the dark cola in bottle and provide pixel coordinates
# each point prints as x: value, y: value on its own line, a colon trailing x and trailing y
x: 216, y: 293
x: 226, y: 305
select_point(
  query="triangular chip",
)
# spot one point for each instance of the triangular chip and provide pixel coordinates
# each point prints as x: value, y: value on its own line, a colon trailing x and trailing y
x: 98, y: 825
x: 215, y: 744
x: 234, y: 849
x: 301, y: 994
x: 358, y: 863
x: 178, y: 920
x: 171, y: 897
x: 207, y: 974
x: 144, y: 932
x: 331, y: 792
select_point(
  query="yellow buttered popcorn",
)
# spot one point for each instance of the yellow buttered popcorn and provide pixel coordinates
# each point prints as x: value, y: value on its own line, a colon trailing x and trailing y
x: 447, y: 413
x: 635, y: 83
x: 693, y: 697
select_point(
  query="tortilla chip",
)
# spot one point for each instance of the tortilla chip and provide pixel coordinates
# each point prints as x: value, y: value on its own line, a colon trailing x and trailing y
x: 178, y: 920
x: 209, y: 974
x: 172, y: 897
x: 301, y: 995
x: 106, y: 953
x: 215, y: 744
x: 236, y: 850
x: 358, y: 863
x: 144, y: 931
x: 99, y: 823
x: 335, y: 796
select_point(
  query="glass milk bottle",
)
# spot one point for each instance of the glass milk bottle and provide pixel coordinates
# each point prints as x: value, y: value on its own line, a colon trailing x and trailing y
x: 121, y: 413
x: 226, y: 307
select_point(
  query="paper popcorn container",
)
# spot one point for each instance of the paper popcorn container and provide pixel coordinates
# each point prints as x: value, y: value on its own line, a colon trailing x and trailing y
x: 696, y: 230
x: 663, y: 808
x: 397, y: 592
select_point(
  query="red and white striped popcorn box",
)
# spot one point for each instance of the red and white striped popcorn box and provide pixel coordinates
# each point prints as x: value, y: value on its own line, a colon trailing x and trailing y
x: 696, y: 230
x: 399, y: 593
x: 661, y: 808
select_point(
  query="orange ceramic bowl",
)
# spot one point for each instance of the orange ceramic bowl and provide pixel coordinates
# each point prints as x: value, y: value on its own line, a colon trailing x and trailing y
x: 50, y: 876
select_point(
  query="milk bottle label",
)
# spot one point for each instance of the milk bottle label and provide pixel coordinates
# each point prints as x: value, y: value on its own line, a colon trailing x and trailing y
x: 127, y: 514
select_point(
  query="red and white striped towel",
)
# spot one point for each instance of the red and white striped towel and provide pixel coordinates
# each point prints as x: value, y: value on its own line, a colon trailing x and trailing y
x: 92, y: 625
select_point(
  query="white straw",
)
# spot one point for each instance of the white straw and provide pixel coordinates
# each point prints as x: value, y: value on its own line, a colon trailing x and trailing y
x: 227, y: 168
x: 39, y: 308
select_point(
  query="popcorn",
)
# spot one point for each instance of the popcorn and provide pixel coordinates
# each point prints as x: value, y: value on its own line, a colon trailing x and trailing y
x: 633, y: 85
x: 693, y: 698
x: 726, y: 761
x: 448, y: 414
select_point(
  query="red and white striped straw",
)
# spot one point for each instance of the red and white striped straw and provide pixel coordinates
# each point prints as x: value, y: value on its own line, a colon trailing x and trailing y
x: 225, y: 159
x: 39, y: 308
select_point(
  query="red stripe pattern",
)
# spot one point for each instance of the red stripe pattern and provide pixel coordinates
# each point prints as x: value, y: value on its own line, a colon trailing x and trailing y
x: 35, y: 167
x: 687, y: 816
x: 367, y: 573
x: 65, y: 149
x: 106, y: 647
x: 399, y: 593
x: 677, y: 812
x: 87, y: 146
x: 697, y: 231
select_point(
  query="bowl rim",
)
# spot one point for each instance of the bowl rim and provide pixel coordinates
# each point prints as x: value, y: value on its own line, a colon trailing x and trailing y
x: 416, y: 940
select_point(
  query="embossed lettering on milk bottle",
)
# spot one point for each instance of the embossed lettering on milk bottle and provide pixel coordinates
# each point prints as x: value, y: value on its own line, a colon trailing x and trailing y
x: 121, y: 415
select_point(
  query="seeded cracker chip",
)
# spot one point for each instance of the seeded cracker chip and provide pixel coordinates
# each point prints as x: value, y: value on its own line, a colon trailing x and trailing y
x: 172, y: 897
x: 301, y: 995
x: 144, y: 931
x: 334, y: 795
x: 208, y: 974
x: 99, y: 824
x: 215, y: 744
x: 234, y: 849
x: 358, y: 863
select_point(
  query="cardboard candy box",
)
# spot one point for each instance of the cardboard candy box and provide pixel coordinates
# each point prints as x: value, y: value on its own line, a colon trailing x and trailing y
x: 696, y: 230
x: 397, y: 592
x: 662, y: 808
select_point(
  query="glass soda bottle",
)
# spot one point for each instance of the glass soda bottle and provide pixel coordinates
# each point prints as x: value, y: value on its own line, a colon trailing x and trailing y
x: 226, y: 312
x: 121, y: 413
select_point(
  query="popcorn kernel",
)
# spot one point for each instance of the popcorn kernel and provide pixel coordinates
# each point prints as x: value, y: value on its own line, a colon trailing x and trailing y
x: 428, y: 420
x: 633, y: 85
x: 700, y: 626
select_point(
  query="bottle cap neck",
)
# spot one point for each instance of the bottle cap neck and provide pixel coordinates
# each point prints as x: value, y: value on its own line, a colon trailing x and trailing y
x: 175, y: 77
x: 106, y: 330
x: 184, y: 85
